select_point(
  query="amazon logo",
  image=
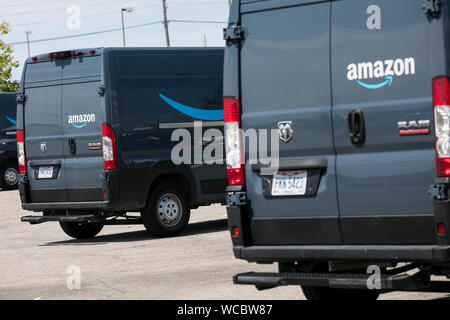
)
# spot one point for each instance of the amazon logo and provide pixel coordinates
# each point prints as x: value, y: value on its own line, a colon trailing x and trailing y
x: 381, y: 73
x: 80, y: 120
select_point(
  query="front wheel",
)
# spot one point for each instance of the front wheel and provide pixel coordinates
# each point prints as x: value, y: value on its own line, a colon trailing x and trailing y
x: 167, y: 213
x: 81, y: 230
x: 338, y: 294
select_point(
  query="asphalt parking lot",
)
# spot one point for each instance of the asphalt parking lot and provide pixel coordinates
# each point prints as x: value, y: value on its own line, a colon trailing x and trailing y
x: 124, y: 262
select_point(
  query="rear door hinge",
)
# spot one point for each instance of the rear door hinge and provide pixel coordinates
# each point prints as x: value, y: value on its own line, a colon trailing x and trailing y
x: 438, y: 192
x: 236, y: 199
x: 21, y: 97
x: 233, y: 33
x: 101, y: 91
x: 432, y: 7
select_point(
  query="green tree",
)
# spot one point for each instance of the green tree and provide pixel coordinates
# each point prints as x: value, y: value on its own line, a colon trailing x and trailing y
x: 7, y: 63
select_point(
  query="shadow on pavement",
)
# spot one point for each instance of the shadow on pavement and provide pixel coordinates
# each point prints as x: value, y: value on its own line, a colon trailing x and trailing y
x: 4, y: 190
x: 192, y: 229
x: 447, y: 298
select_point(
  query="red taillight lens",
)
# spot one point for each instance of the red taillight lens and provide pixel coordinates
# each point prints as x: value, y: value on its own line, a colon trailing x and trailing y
x: 441, y: 102
x: 443, y: 167
x: 231, y: 110
x: 441, y: 91
x: 236, y: 176
x: 441, y: 229
x: 21, y: 154
x: 234, y: 141
x: 109, y: 147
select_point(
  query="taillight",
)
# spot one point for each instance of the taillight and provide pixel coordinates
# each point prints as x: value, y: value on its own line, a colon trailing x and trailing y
x: 234, y: 143
x: 22, y: 157
x: 441, y: 229
x: 109, y: 147
x: 441, y: 102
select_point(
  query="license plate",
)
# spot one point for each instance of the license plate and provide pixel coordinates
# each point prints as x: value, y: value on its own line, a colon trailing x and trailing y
x: 45, y: 172
x: 290, y: 183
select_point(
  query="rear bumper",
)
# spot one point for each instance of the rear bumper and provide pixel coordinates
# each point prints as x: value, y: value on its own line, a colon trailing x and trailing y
x: 400, y: 281
x: 244, y: 247
x: 395, y: 253
x: 110, y: 202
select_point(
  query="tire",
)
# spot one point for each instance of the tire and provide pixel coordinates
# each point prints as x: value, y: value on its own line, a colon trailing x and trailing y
x: 167, y: 212
x: 81, y: 230
x: 338, y: 294
x: 9, y: 176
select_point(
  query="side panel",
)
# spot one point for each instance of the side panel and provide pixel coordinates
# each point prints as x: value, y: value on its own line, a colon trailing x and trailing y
x: 146, y: 88
x: 285, y: 76
x: 381, y: 65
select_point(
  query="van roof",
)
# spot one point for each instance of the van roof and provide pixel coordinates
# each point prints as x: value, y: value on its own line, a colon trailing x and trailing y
x: 99, y: 51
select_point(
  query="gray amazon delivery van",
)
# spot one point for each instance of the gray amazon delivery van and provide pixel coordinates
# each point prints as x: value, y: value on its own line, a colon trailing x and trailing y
x: 358, y: 92
x: 9, y: 171
x: 96, y: 134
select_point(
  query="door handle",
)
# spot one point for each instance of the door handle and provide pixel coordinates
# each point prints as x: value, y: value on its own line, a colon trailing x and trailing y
x: 72, y: 146
x: 356, y: 127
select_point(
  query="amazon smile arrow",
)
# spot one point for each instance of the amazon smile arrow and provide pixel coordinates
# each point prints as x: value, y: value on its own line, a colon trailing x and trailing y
x: 378, y: 85
x: 201, y: 114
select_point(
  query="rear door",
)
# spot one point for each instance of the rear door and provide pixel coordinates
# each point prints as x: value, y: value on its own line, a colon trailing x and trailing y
x: 43, y: 131
x: 285, y: 80
x: 381, y: 82
x: 82, y: 129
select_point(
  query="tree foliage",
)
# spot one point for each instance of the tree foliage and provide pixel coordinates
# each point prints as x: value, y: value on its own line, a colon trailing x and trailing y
x: 7, y: 63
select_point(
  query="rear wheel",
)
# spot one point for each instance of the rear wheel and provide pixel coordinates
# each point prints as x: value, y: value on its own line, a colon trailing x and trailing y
x: 9, y: 176
x: 167, y: 213
x: 338, y: 294
x: 81, y: 230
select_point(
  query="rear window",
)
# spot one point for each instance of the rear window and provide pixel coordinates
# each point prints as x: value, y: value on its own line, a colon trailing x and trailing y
x: 82, y: 67
x: 63, y: 69
x: 42, y: 71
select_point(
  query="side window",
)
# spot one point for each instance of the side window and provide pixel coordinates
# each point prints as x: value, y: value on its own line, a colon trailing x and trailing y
x: 143, y: 103
x: 168, y: 64
x: 152, y: 84
x: 8, y: 118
